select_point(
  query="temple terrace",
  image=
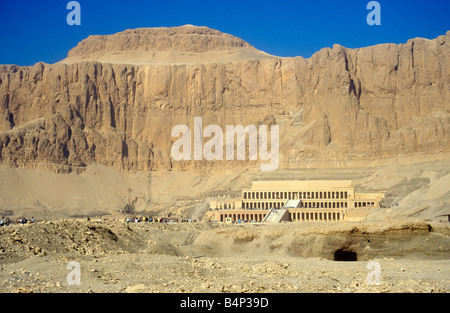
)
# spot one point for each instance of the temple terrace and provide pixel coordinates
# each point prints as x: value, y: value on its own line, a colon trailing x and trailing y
x: 296, y: 201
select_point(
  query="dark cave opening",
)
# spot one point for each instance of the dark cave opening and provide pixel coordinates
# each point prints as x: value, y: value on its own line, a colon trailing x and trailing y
x: 345, y: 255
x: 11, y: 120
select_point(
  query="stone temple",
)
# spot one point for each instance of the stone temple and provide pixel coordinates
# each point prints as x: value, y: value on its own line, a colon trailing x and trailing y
x: 296, y: 201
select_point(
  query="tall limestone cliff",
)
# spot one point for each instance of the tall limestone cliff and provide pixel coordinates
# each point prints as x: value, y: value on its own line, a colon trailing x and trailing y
x: 115, y: 100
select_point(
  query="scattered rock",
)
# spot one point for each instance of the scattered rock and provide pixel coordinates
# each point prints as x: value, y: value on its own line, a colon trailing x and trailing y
x: 136, y: 288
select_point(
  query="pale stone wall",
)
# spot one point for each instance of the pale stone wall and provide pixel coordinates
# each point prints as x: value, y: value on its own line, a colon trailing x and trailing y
x: 239, y: 215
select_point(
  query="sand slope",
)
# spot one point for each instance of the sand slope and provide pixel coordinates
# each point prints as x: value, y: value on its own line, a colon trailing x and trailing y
x: 411, y: 190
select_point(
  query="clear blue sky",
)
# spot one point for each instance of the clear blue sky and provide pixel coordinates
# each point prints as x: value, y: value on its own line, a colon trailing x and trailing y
x: 33, y: 31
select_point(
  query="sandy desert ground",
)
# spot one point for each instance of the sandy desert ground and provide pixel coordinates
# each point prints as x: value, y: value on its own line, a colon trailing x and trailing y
x: 119, y: 257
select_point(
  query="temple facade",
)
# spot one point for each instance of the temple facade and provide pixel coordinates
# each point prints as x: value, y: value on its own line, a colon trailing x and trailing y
x: 320, y: 200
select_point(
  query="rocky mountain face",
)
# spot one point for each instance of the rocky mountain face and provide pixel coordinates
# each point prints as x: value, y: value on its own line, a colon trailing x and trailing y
x: 340, y: 105
x: 187, y: 38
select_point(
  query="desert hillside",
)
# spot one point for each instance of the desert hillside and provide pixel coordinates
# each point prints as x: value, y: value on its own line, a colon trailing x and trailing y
x: 92, y: 133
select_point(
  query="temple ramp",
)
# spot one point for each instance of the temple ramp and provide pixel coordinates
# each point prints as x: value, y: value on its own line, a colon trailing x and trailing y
x: 277, y: 215
x: 280, y: 215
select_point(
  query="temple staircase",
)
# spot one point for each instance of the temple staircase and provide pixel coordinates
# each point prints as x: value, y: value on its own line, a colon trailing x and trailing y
x: 276, y: 215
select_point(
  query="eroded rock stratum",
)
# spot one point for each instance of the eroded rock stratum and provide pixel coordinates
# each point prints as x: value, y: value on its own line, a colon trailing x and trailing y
x: 115, y: 99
